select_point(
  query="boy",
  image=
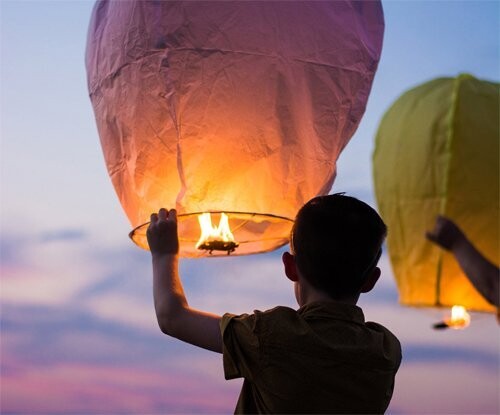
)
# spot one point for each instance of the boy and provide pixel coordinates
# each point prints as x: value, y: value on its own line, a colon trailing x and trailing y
x: 322, y: 358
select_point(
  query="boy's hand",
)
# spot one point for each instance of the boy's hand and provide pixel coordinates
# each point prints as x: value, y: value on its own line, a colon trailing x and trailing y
x: 162, y: 233
x: 445, y: 233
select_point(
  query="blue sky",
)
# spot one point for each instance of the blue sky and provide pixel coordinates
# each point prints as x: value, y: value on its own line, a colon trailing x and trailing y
x: 78, y: 328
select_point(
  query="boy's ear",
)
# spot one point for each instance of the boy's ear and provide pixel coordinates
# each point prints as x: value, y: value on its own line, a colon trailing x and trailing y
x: 371, y: 280
x: 290, y: 266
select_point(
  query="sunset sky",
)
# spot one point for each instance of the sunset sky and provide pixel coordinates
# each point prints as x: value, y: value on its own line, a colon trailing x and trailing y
x: 78, y: 330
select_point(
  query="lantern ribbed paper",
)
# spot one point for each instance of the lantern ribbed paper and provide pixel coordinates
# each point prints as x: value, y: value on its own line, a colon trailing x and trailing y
x: 437, y: 152
x: 237, y: 106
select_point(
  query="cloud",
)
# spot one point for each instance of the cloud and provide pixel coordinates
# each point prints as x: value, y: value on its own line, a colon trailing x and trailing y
x: 48, y: 334
x: 431, y: 352
x: 55, y: 359
x: 444, y: 387
x: 36, y: 272
x: 79, y: 318
x: 8, y: 251
x: 13, y: 249
x: 108, y: 389
x: 63, y: 235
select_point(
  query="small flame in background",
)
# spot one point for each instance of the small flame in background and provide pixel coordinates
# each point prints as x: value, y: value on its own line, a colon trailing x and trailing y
x: 210, y: 233
x: 459, y: 319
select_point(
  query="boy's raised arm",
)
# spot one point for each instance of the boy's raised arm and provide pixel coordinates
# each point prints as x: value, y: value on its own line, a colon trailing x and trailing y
x: 174, y: 315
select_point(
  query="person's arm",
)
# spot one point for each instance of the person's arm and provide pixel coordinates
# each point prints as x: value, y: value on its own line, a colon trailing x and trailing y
x: 174, y: 315
x: 482, y: 273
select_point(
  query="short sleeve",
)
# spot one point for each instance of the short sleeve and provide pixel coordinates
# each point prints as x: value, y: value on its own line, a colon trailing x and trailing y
x: 240, y: 346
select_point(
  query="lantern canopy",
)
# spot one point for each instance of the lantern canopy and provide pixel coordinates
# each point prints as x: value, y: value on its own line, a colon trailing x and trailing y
x: 437, y: 152
x: 241, y: 107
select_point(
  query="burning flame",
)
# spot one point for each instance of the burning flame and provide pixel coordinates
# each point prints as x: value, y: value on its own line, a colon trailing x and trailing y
x: 459, y: 319
x: 215, y: 237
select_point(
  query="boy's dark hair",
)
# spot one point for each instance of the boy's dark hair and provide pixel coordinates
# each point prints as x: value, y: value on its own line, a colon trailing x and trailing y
x: 337, y: 240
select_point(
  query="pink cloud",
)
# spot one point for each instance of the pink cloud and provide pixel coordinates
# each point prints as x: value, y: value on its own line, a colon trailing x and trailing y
x: 441, y: 387
x: 107, y: 388
x: 69, y: 346
x: 54, y: 360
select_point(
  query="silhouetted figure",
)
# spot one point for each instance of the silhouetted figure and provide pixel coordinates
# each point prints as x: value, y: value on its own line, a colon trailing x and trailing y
x: 482, y: 273
x: 321, y: 358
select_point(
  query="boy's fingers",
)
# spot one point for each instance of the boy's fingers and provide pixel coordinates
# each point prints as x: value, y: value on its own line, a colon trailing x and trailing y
x: 162, y: 214
x: 154, y: 218
x: 172, y: 215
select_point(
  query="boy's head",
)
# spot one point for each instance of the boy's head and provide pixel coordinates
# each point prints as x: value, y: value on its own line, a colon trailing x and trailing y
x: 337, y: 242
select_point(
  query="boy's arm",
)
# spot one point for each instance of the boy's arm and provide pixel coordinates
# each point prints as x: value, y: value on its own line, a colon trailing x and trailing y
x: 482, y: 274
x: 174, y: 315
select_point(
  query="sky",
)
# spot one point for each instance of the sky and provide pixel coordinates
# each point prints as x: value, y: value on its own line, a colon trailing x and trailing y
x: 78, y: 330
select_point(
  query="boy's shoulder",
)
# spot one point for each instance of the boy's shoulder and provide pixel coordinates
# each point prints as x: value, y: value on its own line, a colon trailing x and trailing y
x: 325, y: 329
x: 321, y: 316
x: 318, y: 311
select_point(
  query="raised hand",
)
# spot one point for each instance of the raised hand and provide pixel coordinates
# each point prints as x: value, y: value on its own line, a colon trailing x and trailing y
x: 162, y: 232
x: 445, y: 233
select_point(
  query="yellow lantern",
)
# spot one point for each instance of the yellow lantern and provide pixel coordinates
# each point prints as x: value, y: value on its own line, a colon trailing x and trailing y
x: 238, y: 108
x: 437, y: 152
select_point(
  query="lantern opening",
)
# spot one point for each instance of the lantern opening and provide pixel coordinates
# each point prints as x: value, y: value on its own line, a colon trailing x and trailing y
x: 458, y: 320
x: 214, y: 238
x: 254, y: 233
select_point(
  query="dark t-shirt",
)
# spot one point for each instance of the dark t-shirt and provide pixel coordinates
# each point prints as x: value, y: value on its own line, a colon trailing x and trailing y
x: 322, y: 358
